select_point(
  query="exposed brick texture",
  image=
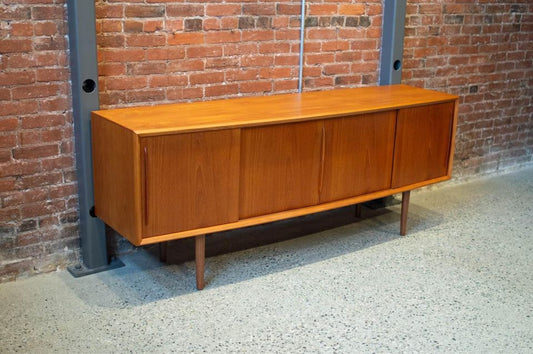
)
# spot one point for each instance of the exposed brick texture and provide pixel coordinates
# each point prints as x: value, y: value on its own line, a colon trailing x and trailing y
x: 161, y: 51
x: 483, y: 52
x: 222, y: 49
x: 38, y: 197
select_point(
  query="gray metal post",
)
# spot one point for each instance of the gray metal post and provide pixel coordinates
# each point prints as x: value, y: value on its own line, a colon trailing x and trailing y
x: 84, y: 76
x: 392, y: 42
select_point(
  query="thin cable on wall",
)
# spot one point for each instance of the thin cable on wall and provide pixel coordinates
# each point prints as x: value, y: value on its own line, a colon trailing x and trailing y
x: 301, y: 61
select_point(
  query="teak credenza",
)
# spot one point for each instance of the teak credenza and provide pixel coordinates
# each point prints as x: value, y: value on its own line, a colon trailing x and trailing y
x: 182, y: 170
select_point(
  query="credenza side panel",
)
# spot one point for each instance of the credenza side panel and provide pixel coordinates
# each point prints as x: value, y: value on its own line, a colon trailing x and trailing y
x: 358, y: 155
x: 423, y: 143
x: 280, y: 167
x: 190, y: 180
x: 116, y: 177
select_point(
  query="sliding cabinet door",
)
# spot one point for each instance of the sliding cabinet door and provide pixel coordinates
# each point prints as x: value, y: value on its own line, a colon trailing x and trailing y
x: 189, y: 180
x: 423, y: 141
x: 280, y: 166
x: 358, y: 155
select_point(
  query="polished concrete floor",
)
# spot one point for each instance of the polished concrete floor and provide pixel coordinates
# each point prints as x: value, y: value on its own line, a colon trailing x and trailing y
x: 461, y: 281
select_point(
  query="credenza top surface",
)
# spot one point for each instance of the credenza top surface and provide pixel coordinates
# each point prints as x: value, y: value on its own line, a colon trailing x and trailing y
x: 264, y: 110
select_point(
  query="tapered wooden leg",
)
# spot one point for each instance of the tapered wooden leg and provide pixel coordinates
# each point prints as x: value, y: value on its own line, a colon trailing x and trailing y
x: 200, y: 261
x: 163, y: 252
x: 357, y: 210
x: 405, y: 209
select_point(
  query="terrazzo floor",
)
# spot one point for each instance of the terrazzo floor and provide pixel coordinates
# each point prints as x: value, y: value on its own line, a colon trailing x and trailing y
x: 460, y: 282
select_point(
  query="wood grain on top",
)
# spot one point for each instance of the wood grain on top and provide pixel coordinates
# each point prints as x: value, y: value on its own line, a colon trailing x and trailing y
x: 253, y: 111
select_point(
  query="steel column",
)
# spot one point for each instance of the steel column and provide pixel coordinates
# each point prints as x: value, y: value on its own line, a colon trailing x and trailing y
x: 84, y: 77
x: 392, y: 42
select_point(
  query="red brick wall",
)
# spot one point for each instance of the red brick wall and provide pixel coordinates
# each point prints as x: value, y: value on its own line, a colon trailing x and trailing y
x: 483, y: 52
x: 38, y: 197
x: 161, y: 51
x: 166, y: 51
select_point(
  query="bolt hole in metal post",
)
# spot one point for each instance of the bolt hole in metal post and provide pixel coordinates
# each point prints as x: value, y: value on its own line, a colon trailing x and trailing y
x: 88, y: 85
x: 397, y: 65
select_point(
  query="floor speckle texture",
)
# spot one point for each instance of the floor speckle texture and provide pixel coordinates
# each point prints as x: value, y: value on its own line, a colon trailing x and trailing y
x: 461, y: 281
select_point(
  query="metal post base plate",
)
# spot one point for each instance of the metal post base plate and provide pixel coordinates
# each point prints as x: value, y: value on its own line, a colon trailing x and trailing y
x: 79, y: 270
